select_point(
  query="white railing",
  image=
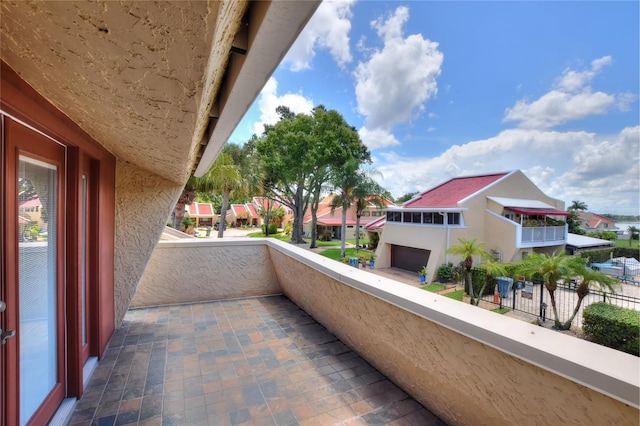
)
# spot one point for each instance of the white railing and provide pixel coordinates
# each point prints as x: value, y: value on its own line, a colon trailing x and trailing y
x: 542, y: 234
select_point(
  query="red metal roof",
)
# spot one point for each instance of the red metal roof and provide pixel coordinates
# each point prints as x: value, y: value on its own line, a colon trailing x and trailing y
x: 529, y: 211
x: 334, y: 222
x: 252, y: 210
x: 376, y: 224
x: 200, y: 209
x: 450, y: 193
x: 34, y: 202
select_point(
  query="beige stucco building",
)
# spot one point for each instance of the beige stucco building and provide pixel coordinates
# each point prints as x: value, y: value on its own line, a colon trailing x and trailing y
x: 504, y: 210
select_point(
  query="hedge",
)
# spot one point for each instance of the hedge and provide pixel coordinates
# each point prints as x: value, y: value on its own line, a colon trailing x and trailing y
x: 613, y: 326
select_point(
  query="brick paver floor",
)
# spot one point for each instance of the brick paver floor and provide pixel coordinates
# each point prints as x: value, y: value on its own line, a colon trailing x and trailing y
x: 257, y: 361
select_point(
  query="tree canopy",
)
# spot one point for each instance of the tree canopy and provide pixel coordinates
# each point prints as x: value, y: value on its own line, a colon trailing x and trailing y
x: 298, y: 153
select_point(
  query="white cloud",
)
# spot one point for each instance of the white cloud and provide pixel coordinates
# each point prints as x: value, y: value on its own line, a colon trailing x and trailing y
x: 604, y: 172
x: 570, y: 99
x: 328, y: 28
x: 557, y: 107
x: 269, y: 100
x: 431, y: 129
x: 397, y: 80
x: 377, y: 138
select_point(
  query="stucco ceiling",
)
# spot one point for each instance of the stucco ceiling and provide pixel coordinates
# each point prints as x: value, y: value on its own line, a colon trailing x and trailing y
x: 148, y: 80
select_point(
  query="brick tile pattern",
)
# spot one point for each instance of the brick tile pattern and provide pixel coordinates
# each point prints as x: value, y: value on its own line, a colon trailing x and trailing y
x: 257, y: 361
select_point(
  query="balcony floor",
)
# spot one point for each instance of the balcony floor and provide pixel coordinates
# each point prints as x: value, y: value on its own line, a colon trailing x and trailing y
x: 259, y: 361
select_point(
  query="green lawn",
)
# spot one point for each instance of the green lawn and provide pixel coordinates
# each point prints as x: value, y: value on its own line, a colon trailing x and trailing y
x: 501, y: 311
x: 434, y: 288
x: 362, y: 241
x: 334, y: 253
x: 280, y: 236
x: 625, y: 243
x: 455, y: 295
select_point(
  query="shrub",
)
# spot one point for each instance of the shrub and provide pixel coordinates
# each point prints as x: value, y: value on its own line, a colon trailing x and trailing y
x: 273, y: 229
x: 288, y: 228
x: 326, y: 236
x: 374, y: 239
x: 445, y: 272
x: 187, y: 222
x: 613, y: 326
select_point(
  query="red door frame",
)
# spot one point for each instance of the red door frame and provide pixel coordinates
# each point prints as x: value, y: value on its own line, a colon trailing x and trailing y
x: 20, y: 140
x: 22, y: 102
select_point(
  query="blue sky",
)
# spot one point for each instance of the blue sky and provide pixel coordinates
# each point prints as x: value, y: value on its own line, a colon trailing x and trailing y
x: 442, y: 89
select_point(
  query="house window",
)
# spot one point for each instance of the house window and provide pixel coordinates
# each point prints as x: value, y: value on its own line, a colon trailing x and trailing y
x: 411, y: 217
x: 394, y: 216
x: 453, y: 218
x: 427, y: 217
x: 438, y: 219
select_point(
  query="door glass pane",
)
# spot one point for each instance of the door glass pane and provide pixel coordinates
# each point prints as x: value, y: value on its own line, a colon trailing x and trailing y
x: 37, y: 207
x: 83, y: 257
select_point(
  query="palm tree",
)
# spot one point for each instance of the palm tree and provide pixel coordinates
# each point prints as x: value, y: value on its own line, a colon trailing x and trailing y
x: 590, y: 279
x: 633, y: 233
x: 578, y: 205
x: 367, y: 192
x: 466, y: 250
x: 224, y: 177
x: 345, y: 179
x: 186, y: 197
x: 551, y: 269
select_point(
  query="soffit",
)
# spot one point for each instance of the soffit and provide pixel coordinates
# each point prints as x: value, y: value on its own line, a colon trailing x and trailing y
x: 131, y: 74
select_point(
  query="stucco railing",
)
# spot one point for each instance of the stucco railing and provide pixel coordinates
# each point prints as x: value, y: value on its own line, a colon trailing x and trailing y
x: 465, y: 364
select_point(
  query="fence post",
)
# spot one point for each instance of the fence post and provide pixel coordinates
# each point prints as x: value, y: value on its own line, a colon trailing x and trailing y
x: 542, y: 304
x: 515, y: 290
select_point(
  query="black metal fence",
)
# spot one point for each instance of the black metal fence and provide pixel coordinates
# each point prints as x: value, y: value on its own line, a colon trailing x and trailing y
x: 532, y: 298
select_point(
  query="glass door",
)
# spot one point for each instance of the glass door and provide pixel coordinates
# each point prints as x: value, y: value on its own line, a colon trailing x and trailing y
x: 35, y: 364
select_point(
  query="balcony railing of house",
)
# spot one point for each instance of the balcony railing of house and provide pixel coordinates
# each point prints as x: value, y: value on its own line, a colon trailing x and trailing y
x: 465, y: 364
x: 542, y: 234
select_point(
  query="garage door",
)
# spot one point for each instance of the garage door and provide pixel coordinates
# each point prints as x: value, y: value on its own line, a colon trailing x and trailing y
x: 409, y: 258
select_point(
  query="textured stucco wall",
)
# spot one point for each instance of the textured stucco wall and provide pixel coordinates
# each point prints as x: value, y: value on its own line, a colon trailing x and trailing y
x: 463, y: 380
x: 143, y: 204
x: 131, y: 74
x: 190, y: 271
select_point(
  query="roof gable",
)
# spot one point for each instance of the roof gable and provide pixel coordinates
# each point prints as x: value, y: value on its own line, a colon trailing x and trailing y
x: 450, y: 193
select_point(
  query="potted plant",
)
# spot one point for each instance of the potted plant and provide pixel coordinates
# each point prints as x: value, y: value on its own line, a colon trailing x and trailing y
x: 423, y: 273
x: 372, y: 260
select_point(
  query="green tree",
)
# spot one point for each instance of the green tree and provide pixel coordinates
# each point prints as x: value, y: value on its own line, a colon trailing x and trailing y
x: 355, y: 188
x: 573, y: 223
x: 298, y: 154
x: 551, y: 269
x: 578, y: 205
x: 467, y: 249
x: 406, y: 197
x: 186, y: 197
x: 634, y: 233
x: 368, y: 192
x: 345, y: 179
x: 223, y: 177
x: 590, y: 279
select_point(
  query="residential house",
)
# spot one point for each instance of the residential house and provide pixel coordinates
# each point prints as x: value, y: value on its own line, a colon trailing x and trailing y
x: 111, y: 105
x: 262, y: 204
x: 592, y: 222
x: 331, y: 221
x: 506, y: 211
x: 202, y: 213
x: 242, y: 215
x: 106, y: 107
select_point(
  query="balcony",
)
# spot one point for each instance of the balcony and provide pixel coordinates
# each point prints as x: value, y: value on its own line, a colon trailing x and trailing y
x: 318, y: 342
x: 541, y: 236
